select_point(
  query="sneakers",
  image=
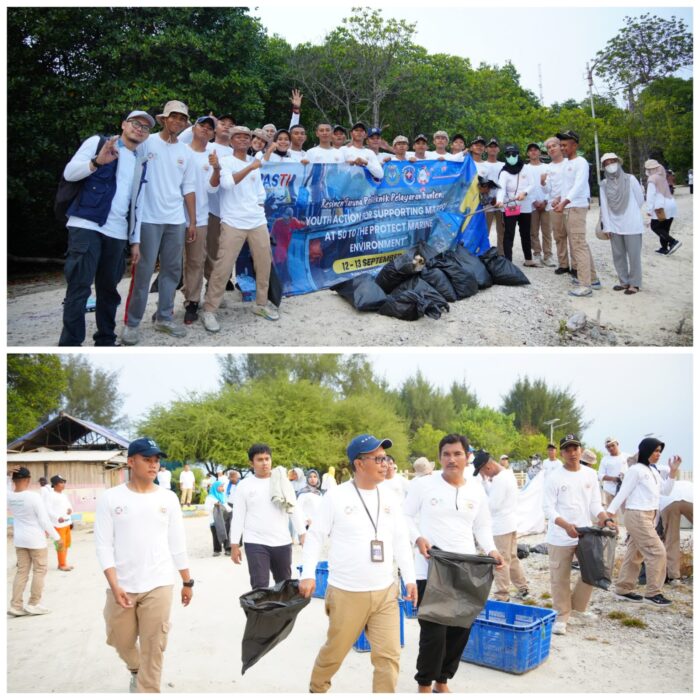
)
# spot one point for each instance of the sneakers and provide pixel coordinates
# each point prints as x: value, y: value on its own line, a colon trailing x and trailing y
x: 209, y: 322
x: 532, y: 263
x: 673, y: 582
x: 559, y: 628
x: 662, y: 251
x: 629, y: 597
x: 658, y: 601
x: 133, y: 688
x: 130, y: 335
x: 596, y: 285
x: 549, y: 261
x: 16, y: 612
x: 216, y: 554
x: 583, y: 616
x: 523, y: 594
x: 39, y: 609
x: 676, y: 245
x: 171, y: 328
x: 191, y: 316
x: 581, y: 291
x: 561, y: 271
x: 269, y: 311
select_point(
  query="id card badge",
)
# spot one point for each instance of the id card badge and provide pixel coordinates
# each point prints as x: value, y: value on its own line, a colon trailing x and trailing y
x: 377, y: 551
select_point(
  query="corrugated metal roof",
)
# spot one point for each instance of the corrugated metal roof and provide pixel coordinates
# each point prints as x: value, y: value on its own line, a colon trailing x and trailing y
x: 114, y: 456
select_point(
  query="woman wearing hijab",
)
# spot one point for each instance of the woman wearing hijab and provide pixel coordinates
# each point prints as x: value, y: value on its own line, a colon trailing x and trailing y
x: 661, y: 206
x: 621, y: 199
x: 515, y: 184
x: 309, y: 498
x: 215, y: 504
x: 639, y: 493
x: 278, y: 150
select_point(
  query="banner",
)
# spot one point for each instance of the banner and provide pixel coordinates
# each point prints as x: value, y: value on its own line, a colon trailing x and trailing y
x: 330, y: 222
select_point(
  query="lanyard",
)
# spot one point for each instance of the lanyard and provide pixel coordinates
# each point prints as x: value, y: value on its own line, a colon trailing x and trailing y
x: 374, y: 525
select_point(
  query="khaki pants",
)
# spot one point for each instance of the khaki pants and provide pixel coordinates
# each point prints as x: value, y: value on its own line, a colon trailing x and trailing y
x: 349, y: 613
x: 671, y: 519
x: 563, y: 599
x: 541, y: 221
x: 559, y: 232
x: 500, y: 228
x: 644, y: 544
x: 507, y: 545
x: 36, y: 561
x: 186, y: 496
x: 148, y: 622
x: 230, y: 243
x: 195, y: 257
x: 213, y: 233
x: 575, y: 226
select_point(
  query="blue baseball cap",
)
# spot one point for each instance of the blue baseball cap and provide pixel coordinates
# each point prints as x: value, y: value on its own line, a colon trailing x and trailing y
x: 365, y: 443
x: 374, y: 131
x: 146, y: 447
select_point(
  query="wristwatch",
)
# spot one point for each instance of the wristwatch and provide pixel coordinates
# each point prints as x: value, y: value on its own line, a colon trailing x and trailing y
x: 95, y: 163
x: 188, y: 584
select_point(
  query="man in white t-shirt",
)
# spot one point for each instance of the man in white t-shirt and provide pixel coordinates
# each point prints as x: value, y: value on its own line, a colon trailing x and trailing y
x: 492, y: 169
x: 450, y: 511
x: 59, y: 509
x: 440, y: 141
x: 553, y: 183
x: 30, y: 523
x: 571, y: 500
x: 367, y: 535
x: 503, y: 506
x: 324, y: 152
x: 164, y: 478
x: 552, y: 462
x: 612, y: 470
x: 170, y: 178
x: 476, y: 151
x: 400, y: 145
x: 263, y: 524
x: 355, y: 152
x: 340, y: 136
x: 187, y: 481
x: 140, y: 541
x: 395, y: 481
x: 539, y: 220
x: 297, y: 136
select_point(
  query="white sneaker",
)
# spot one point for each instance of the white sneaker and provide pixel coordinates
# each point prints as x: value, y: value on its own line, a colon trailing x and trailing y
x: 269, y: 311
x: 209, y: 322
x: 586, y: 616
x: 130, y: 335
x: 549, y: 262
x: 581, y: 291
x: 36, y: 609
x: 559, y: 628
x: 16, y: 612
x: 171, y: 328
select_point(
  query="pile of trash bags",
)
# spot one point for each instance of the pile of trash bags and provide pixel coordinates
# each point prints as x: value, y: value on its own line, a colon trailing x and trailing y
x: 422, y: 282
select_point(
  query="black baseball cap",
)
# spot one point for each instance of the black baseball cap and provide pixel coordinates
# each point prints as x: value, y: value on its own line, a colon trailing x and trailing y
x: 569, y: 440
x: 481, y: 458
x: 57, y: 479
x: 532, y: 144
x: 458, y: 136
x: 512, y: 148
x: 146, y: 447
x: 226, y: 116
x: 338, y: 127
x: 568, y: 135
x: 420, y: 137
x: 359, y: 125
x: 493, y: 142
x: 478, y: 139
x: 21, y: 473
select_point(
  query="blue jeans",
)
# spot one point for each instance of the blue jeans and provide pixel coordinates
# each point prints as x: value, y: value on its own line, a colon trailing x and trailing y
x: 92, y: 257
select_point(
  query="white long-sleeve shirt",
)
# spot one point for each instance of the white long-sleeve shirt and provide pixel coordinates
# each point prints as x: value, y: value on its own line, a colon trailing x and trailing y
x: 555, y: 182
x: 513, y: 185
x: 574, y: 496
x: 308, y: 504
x: 681, y: 491
x: 142, y: 535
x: 343, y: 519
x: 641, y: 489
x: 575, y: 185
x: 241, y: 204
x: 30, y: 520
x: 257, y: 518
x: 503, y: 503
x: 537, y: 193
x: 612, y: 466
x: 449, y: 517
x: 58, y: 505
x: 202, y: 171
x: 629, y: 221
x: 351, y: 153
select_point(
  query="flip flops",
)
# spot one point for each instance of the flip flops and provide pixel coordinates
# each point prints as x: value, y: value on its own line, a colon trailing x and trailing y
x: 631, y: 290
x: 621, y: 287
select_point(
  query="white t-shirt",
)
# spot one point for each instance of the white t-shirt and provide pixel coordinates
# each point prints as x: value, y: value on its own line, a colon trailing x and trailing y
x: 612, y: 466
x: 297, y: 155
x: 434, y: 155
x: 641, y: 489
x: 187, y: 480
x: 241, y: 204
x: 79, y: 168
x: 575, y: 186
x: 58, y: 505
x: 398, y: 484
x: 343, y: 519
x: 170, y: 176
x: 537, y: 193
x: 350, y: 153
x: 221, y: 151
x: 574, y: 496
x: 513, y: 185
x: 164, y: 477
x: 549, y: 465
x: 142, y: 535
x: 30, y: 520
x: 503, y: 503
x: 555, y: 182
x: 448, y: 517
x: 203, y: 172
x: 324, y: 155
x: 257, y: 518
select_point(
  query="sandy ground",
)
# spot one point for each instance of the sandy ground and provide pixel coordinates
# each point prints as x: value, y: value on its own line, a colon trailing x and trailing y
x: 65, y: 651
x: 504, y: 316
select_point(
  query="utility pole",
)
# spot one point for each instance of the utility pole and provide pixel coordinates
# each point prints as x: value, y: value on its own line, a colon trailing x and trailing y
x: 539, y: 73
x: 551, y: 423
x: 595, y: 128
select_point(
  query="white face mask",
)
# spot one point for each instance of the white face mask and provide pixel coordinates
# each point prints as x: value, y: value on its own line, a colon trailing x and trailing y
x: 612, y: 168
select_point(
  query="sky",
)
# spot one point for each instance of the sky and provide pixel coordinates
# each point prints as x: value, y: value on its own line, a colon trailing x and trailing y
x: 626, y: 395
x: 558, y: 40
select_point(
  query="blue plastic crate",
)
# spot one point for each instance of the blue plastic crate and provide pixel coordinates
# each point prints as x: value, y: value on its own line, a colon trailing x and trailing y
x: 321, y: 579
x: 510, y: 637
x: 410, y: 610
x: 362, y: 643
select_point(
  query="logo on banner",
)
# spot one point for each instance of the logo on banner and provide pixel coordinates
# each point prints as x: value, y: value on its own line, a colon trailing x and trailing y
x: 409, y: 175
x: 424, y: 175
x: 392, y: 176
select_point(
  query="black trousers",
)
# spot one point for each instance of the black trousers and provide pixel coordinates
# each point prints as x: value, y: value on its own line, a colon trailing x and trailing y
x: 439, y: 649
x: 662, y: 230
x: 263, y: 559
x: 523, y: 221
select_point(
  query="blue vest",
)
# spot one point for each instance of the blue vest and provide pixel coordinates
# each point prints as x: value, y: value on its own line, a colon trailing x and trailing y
x: 96, y: 195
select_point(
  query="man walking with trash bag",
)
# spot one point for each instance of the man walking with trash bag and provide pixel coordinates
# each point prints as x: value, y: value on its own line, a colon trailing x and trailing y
x: 571, y: 500
x: 448, y: 512
x: 367, y: 534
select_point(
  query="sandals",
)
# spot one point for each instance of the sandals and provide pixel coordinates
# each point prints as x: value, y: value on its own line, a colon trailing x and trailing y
x: 631, y: 290
x: 621, y: 287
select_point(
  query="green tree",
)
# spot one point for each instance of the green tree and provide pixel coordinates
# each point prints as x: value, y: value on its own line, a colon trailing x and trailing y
x: 420, y: 402
x: 425, y: 441
x: 35, y: 384
x: 488, y: 429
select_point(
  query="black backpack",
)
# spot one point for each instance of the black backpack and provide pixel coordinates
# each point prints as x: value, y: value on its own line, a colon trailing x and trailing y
x: 68, y: 191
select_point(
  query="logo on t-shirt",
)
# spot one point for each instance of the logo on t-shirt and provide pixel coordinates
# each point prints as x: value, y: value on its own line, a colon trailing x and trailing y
x: 120, y: 509
x: 180, y: 162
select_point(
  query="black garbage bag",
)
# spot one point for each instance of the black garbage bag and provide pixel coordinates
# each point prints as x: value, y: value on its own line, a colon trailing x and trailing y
x: 274, y: 289
x: 437, y: 279
x: 457, y: 588
x: 523, y: 551
x: 475, y: 266
x: 362, y: 292
x: 405, y: 265
x: 413, y: 299
x: 461, y: 278
x: 270, y: 615
x: 502, y: 270
x: 596, y: 555
x: 540, y: 548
